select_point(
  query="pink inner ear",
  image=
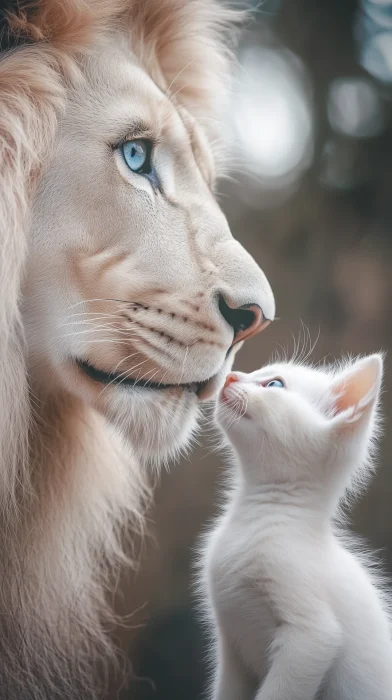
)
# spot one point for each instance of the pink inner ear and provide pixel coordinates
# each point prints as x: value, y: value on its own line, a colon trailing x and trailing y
x: 359, y: 383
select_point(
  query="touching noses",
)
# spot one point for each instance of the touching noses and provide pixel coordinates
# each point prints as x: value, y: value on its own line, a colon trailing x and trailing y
x: 246, y: 320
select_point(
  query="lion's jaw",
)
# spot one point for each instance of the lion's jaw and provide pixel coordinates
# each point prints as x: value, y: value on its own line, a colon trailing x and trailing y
x: 126, y: 277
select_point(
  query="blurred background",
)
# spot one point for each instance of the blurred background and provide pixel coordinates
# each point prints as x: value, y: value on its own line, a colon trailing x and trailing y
x: 310, y: 134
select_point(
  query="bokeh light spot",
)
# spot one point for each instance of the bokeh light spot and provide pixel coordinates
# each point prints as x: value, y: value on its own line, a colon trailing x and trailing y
x: 272, y: 116
x: 355, y: 108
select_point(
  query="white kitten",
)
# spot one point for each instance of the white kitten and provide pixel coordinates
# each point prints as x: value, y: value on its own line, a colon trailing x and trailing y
x: 296, y: 612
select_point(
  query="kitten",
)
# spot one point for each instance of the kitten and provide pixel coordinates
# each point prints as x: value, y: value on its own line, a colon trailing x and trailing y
x: 296, y: 611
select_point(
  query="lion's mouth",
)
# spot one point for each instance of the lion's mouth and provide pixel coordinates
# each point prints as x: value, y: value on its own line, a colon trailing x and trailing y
x: 99, y: 375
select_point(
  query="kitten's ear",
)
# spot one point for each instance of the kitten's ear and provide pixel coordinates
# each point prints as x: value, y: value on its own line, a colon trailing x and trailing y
x: 356, y: 391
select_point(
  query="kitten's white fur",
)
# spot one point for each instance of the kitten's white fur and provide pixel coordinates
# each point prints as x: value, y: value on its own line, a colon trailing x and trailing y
x: 297, y: 613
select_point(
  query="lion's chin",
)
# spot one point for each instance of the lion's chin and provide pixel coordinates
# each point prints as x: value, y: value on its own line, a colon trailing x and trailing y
x: 158, y: 421
x: 158, y: 425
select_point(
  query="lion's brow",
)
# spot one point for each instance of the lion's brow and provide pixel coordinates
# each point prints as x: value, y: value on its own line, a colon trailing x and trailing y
x: 135, y: 128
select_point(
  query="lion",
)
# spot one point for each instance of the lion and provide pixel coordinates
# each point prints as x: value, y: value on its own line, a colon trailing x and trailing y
x: 123, y: 297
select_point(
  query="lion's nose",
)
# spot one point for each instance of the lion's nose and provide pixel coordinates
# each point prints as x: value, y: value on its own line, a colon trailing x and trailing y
x: 246, y: 320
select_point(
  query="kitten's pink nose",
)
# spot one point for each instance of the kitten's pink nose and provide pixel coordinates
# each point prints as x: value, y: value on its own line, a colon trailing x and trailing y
x: 232, y: 377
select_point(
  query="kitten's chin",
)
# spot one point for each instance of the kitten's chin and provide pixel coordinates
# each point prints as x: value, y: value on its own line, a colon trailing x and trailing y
x: 232, y: 404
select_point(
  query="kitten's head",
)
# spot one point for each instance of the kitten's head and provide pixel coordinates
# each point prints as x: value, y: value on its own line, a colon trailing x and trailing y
x: 290, y: 421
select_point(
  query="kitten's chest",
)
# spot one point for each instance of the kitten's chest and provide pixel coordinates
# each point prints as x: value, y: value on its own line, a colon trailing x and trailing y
x: 240, y: 592
x: 247, y: 615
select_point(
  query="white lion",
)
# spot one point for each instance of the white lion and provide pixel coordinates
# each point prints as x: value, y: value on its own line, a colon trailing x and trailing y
x: 122, y: 293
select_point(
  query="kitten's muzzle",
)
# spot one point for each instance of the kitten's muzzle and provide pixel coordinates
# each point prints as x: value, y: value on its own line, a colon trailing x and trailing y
x: 231, y: 377
x: 233, y: 396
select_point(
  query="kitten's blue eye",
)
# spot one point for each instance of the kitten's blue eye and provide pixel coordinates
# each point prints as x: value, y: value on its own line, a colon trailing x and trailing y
x: 276, y: 383
x: 137, y: 155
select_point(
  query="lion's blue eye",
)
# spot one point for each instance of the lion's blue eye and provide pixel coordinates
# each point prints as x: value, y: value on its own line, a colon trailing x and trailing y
x: 137, y: 155
x: 276, y: 383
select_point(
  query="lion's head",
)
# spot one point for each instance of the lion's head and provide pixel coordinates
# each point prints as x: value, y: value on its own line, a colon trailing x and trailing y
x: 135, y: 289
x: 123, y: 297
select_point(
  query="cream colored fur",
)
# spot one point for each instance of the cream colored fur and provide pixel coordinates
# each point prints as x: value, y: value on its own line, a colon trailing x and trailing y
x: 94, y: 265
